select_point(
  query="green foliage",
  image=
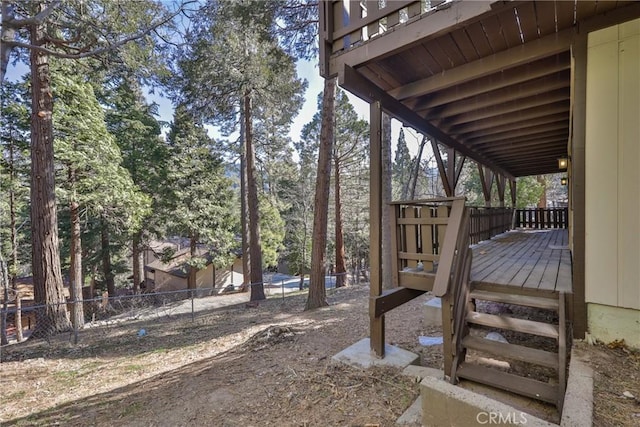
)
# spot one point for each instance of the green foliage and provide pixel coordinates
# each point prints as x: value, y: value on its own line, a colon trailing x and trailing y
x: 272, y: 231
x: 144, y: 154
x: 14, y: 174
x: 528, y: 192
x: 83, y: 144
x: 90, y: 171
x: 198, y: 199
x: 401, y: 168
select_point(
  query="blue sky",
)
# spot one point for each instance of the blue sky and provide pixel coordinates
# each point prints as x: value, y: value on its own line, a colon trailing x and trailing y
x: 305, y: 69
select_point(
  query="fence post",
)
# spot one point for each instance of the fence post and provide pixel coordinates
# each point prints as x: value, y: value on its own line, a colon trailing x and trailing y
x: 74, y: 324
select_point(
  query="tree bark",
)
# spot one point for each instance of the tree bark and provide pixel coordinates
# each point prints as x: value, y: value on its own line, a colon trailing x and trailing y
x: 387, y: 277
x: 106, y: 259
x: 341, y: 265
x: 317, y: 292
x: 244, y: 212
x: 13, y: 270
x: 193, y: 270
x: 138, y: 263
x: 255, y: 247
x: 47, y: 275
x: 75, y: 267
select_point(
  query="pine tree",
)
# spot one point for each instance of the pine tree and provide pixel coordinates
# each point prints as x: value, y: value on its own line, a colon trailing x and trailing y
x: 199, y: 196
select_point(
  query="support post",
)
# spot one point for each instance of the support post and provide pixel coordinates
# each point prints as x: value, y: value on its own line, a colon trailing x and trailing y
x: 501, y: 183
x: 376, y: 324
x: 486, y: 179
x: 578, y: 309
x: 512, y: 190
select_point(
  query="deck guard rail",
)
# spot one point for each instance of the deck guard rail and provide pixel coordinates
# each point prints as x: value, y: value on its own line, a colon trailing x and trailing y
x: 542, y: 218
x: 487, y: 222
x: 452, y: 285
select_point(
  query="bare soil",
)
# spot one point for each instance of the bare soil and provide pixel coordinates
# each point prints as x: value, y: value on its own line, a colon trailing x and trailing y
x: 239, y: 366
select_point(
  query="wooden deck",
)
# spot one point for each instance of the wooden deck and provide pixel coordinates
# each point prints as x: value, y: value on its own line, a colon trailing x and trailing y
x: 527, y: 259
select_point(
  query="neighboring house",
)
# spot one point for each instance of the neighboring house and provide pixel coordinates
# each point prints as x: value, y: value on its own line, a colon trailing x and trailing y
x: 172, y: 276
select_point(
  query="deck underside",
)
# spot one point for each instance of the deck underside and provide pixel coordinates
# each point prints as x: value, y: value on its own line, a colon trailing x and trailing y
x: 526, y: 259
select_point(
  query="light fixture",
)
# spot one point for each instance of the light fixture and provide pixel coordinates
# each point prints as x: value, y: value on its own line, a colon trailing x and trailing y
x: 563, y: 163
x: 564, y: 180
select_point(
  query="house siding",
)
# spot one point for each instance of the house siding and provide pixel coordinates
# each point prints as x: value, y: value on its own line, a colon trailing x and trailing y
x: 612, y: 237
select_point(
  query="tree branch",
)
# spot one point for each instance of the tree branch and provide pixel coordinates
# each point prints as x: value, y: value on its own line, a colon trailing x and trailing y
x: 35, y: 20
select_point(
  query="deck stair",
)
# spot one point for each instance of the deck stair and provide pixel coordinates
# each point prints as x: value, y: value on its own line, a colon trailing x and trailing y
x: 551, y: 392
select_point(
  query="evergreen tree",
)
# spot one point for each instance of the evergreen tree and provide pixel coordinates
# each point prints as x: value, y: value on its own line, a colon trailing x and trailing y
x: 199, y: 196
x: 137, y: 132
x: 71, y: 30
x: 401, y: 168
x: 92, y: 178
x: 233, y: 72
x: 14, y: 173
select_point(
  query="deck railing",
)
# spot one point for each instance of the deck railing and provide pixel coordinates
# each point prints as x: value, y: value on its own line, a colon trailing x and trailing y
x: 347, y: 23
x: 486, y: 222
x: 542, y: 218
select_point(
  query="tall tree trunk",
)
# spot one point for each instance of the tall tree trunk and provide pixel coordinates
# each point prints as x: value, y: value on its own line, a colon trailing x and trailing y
x: 244, y: 216
x: 47, y: 275
x: 138, y: 263
x: 255, y: 247
x: 317, y: 292
x: 13, y: 269
x: 106, y: 258
x: 387, y: 277
x: 75, y: 267
x: 341, y: 264
x: 193, y: 270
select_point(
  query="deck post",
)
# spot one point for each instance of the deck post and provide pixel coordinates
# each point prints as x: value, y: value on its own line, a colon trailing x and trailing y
x: 578, y: 309
x: 376, y: 324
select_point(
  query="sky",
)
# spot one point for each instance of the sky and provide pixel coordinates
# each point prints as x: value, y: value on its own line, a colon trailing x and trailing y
x: 306, y: 69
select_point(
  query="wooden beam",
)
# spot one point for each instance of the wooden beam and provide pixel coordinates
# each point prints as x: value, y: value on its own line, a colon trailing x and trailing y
x: 375, y: 228
x: 500, y: 182
x: 513, y: 191
x: 523, y: 54
x: 577, y: 183
x: 531, y: 113
x: 534, y: 88
x: 430, y: 25
x: 441, y: 168
x: 507, y: 108
x: 481, y: 144
x: 459, y: 166
x: 556, y: 66
x: 486, y: 179
x: 533, y: 124
x: 394, y: 298
x: 354, y: 82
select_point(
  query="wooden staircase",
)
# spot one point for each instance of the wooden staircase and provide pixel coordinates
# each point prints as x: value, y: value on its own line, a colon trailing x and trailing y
x: 556, y: 360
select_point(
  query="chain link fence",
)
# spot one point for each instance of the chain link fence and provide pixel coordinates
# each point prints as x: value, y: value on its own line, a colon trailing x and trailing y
x: 22, y: 319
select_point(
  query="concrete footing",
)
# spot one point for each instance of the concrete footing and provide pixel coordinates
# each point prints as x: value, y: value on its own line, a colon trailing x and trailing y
x: 360, y: 354
x: 578, y: 399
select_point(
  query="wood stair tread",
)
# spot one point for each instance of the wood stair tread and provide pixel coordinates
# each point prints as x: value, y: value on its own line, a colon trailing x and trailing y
x: 512, y: 351
x: 513, y: 324
x: 512, y: 383
x: 524, y: 300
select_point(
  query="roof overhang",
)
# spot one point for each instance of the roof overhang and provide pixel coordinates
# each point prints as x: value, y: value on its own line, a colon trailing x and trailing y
x: 491, y: 79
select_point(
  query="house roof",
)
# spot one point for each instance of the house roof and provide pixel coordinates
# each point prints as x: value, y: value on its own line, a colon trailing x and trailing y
x: 491, y: 79
x: 177, y: 266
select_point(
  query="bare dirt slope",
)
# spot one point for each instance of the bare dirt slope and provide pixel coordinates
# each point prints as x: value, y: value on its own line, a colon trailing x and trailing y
x: 241, y: 366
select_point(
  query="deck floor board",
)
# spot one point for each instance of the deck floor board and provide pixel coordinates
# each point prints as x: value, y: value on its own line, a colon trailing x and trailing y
x: 532, y: 259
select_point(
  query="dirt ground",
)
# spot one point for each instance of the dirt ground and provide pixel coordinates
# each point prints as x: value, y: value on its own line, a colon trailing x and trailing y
x: 239, y: 366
